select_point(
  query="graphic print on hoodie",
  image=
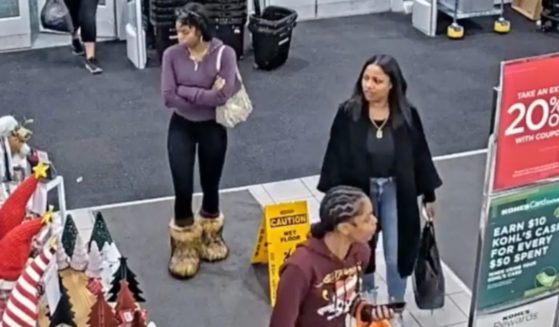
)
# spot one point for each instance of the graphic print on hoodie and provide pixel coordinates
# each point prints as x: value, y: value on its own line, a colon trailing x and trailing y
x: 316, y: 289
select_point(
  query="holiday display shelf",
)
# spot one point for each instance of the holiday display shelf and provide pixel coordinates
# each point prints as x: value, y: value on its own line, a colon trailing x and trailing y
x: 75, y: 283
x: 87, y: 280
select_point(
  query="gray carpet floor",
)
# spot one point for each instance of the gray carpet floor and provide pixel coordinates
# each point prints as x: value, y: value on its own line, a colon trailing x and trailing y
x: 231, y: 293
x: 111, y: 129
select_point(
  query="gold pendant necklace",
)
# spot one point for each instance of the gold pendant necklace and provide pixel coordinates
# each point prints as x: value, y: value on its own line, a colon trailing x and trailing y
x: 379, y: 133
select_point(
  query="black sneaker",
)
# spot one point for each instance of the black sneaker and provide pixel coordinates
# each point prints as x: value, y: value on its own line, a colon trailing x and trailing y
x: 92, y: 65
x: 77, y: 47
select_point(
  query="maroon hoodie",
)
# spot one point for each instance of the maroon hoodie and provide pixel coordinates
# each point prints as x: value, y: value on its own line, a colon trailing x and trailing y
x: 317, y: 289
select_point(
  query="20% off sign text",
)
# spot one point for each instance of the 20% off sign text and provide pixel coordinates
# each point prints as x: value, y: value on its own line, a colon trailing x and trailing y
x: 533, y: 117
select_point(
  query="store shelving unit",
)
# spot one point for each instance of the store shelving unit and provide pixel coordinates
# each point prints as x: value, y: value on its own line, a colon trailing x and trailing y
x: 464, y: 9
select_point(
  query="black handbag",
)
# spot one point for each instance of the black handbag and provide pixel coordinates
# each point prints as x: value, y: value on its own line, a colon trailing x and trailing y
x: 429, y: 281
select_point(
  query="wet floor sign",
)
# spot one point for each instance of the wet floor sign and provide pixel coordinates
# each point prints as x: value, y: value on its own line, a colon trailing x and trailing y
x: 283, y: 227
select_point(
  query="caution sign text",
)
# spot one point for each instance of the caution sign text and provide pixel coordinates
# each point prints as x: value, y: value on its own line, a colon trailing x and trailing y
x: 283, y: 227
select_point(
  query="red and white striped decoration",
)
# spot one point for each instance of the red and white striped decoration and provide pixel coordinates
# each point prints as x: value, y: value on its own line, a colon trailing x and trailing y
x: 22, y: 308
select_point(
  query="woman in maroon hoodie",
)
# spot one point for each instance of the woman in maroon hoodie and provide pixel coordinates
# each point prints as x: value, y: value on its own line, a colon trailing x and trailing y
x: 320, y: 283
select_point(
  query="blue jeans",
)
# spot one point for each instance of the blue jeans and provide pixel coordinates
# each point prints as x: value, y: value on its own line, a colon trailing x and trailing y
x: 383, y: 196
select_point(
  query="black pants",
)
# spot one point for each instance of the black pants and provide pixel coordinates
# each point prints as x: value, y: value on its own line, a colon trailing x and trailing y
x: 84, y: 14
x: 184, y: 138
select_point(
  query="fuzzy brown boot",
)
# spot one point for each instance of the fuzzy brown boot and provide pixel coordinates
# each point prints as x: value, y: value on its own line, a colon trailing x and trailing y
x: 185, y: 250
x: 213, y: 247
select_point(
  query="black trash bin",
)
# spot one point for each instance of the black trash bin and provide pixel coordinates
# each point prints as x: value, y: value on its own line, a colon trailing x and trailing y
x: 231, y: 31
x: 271, y: 36
x: 162, y: 20
x: 227, y: 20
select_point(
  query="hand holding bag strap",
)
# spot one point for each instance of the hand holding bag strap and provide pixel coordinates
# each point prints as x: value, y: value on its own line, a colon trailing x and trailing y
x: 218, y: 63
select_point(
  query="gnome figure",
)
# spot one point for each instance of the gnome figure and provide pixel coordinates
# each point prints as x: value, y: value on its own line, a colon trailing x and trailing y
x: 13, y: 146
x: 14, y: 209
x: 16, y: 246
x: 15, y: 168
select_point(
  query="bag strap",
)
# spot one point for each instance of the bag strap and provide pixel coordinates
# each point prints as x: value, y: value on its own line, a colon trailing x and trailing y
x: 218, y: 63
x: 219, y: 55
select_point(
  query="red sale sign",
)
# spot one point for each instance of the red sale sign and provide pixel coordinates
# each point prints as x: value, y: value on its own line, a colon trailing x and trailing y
x: 528, y: 123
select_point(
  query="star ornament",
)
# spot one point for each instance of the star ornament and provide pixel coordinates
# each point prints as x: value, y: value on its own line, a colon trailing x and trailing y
x: 40, y: 171
x: 52, y: 243
x: 47, y: 216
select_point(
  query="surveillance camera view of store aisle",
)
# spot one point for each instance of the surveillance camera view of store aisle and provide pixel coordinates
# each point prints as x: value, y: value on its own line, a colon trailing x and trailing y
x: 106, y: 137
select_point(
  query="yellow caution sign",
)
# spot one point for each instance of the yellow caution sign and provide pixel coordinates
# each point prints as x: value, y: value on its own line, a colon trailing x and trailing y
x: 283, y: 227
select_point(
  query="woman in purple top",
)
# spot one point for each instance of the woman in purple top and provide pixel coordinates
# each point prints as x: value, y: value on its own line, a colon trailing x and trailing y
x: 192, y: 87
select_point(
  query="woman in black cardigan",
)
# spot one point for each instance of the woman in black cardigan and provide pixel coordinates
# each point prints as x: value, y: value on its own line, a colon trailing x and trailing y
x: 377, y: 143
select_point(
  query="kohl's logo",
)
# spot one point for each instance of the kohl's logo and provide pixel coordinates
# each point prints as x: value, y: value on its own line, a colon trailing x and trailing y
x: 517, y: 319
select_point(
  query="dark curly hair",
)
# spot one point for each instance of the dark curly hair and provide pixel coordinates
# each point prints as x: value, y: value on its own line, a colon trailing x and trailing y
x: 340, y: 204
x: 194, y: 15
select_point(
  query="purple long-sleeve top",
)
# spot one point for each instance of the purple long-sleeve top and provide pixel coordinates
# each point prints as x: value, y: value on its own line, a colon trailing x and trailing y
x: 186, y: 86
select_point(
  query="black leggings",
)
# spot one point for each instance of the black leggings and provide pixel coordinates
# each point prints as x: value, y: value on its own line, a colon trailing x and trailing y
x: 84, y: 13
x: 211, y: 139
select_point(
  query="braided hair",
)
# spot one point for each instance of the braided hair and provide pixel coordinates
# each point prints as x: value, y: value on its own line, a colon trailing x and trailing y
x: 340, y: 204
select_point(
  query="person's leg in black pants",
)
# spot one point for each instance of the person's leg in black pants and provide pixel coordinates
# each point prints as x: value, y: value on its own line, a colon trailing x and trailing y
x: 74, y: 8
x: 212, y: 148
x: 211, y: 155
x: 84, y: 17
x: 181, y: 146
x: 88, y: 22
x: 185, y: 234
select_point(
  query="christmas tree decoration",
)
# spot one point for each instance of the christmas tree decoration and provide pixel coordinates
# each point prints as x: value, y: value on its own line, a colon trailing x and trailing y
x: 102, y: 314
x: 63, y: 315
x: 62, y: 259
x: 80, y: 297
x: 69, y: 235
x: 111, y: 255
x: 125, y: 304
x: 124, y: 273
x: 14, y: 209
x: 22, y: 309
x: 106, y: 275
x: 79, y: 258
x: 15, y: 248
x: 100, y: 233
x: 95, y: 265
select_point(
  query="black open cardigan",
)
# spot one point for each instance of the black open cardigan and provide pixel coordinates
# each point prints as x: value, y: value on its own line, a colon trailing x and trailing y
x: 346, y: 163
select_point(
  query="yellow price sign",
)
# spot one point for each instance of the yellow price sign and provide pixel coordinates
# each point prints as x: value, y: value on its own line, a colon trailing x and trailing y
x: 283, y: 227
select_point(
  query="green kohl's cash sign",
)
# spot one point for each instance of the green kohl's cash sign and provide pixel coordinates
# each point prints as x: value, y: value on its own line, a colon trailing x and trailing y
x: 521, y: 252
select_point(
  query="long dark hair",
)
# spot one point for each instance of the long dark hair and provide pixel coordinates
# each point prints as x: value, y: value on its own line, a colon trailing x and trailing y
x: 340, y: 204
x: 397, y: 100
x: 194, y: 14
